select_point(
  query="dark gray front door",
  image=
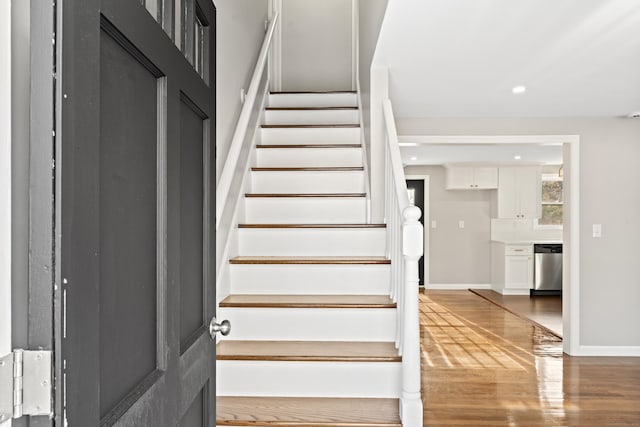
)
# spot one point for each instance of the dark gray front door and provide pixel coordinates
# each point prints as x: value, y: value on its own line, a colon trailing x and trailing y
x: 135, y: 200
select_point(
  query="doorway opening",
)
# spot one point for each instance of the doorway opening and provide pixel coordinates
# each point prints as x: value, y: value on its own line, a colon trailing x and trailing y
x: 569, y: 148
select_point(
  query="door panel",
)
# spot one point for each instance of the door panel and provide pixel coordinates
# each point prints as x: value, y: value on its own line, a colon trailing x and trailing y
x: 191, y: 225
x: 127, y: 212
x: 134, y: 145
x: 196, y: 414
x: 416, y: 189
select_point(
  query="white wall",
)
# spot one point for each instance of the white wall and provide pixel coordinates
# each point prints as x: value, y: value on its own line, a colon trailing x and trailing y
x: 371, y: 14
x: 457, y: 256
x: 609, y: 195
x: 240, y: 32
x: 316, y: 45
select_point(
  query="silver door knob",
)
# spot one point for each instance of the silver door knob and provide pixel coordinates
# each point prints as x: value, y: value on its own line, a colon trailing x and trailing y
x: 223, y: 327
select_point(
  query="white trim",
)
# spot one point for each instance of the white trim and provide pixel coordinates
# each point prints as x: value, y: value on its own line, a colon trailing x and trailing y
x: 571, y: 249
x: 275, y: 58
x: 608, y: 351
x: 457, y: 286
x: 489, y: 139
x: 507, y: 291
x: 355, y: 43
x: 427, y: 222
x: 5, y: 177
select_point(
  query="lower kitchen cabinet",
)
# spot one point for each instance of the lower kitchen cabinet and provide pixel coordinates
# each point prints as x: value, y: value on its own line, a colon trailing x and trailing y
x: 512, y: 268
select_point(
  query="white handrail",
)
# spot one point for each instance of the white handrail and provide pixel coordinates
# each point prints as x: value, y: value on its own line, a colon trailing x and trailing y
x: 405, y: 236
x: 226, y: 178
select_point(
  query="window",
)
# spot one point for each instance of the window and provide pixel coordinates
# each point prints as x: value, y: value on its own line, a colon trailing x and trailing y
x: 552, y: 201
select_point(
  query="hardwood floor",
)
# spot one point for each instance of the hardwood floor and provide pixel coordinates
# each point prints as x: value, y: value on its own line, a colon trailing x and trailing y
x: 307, y: 412
x: 484, y: 366
x: 543, y: 310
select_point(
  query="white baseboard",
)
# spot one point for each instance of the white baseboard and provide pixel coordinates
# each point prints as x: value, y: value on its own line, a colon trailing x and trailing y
x: 608, y: 350
x: 456, y: 286
x: 513, y: 291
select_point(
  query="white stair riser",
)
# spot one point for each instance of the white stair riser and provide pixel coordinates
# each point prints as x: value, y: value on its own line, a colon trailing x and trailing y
x: 312, y: 242
x: 310, y: 136
x: 310, y: 279
x: 311, y: 117
x: 307, y: 181
x: 313, y: 100
x: 309, y: 210
x: 311, y: 324
x: 308, y: 379
x: 308, y: 157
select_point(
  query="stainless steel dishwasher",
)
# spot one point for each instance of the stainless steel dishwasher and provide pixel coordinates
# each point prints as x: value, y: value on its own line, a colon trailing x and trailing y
x: 547, y: 269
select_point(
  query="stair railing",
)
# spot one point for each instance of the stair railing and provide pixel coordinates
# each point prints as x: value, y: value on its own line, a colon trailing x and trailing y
x: 405, y: 237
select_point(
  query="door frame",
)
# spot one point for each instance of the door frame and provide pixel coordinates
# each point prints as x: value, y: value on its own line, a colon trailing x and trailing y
x: 571, y: 226
x: 5, y: 178
x: 427, y: 226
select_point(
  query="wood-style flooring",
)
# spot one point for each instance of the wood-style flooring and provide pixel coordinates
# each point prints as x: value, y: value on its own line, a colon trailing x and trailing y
x: 545, y: 310
x: 484, y: 366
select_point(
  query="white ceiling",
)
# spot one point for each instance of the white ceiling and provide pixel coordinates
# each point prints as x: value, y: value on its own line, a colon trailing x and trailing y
x: 461, y: 58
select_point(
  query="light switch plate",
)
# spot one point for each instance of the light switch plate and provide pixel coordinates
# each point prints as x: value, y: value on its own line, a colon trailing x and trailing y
x: 434, y: 224
x: 461, y: 224
x: 597, y: 230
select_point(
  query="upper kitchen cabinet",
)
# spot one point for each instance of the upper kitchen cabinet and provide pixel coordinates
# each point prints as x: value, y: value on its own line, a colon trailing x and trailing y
x: 472, y: 178
x: 519, y: 192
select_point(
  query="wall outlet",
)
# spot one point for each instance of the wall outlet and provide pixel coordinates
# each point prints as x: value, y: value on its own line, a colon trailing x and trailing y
x: 434, y: 224
x: 461, y: 224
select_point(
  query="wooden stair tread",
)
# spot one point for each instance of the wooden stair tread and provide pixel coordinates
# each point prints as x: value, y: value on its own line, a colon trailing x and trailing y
x: 306, y: 412
x: 308, y: 301
x: 349, y: 260
x: 312, y: 225
x: 309, y: 146
x: 280, y: 195
x: 315, y: 126
x: 311, y: 91
x: 309, y: 351
x: 309, y: 169
x: 310, y: 108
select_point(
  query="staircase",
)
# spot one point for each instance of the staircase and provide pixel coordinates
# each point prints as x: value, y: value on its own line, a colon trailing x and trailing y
x: 313, y: 327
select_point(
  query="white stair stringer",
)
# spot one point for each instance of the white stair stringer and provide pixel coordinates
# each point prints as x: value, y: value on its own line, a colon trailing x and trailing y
x: 312, y: 324
x: 338, y: 181
x: 337, y: 99
x: 323, y: 135
x: 308, y: 379
x: 312, y: 117
x: 310, y: 279
x: 312, y: 241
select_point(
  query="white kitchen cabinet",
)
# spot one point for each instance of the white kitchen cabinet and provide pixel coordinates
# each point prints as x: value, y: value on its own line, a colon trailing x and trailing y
x: 519, y: 192
x: 472, y: 178
x: 512, y: 268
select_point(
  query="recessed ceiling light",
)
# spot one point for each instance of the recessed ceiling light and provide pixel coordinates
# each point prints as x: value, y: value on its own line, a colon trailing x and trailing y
x: 517, y: 157
x: 414, y: 158
x: 519, y: 89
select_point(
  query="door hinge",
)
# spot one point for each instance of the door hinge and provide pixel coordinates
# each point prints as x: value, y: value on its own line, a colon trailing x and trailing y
x: 25, y: 384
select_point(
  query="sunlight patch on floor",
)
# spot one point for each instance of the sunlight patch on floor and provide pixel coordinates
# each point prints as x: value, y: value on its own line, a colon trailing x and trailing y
x: 452, y: 342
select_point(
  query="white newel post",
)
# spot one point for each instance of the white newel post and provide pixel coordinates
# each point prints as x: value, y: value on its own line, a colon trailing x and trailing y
x: 412, y: 250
